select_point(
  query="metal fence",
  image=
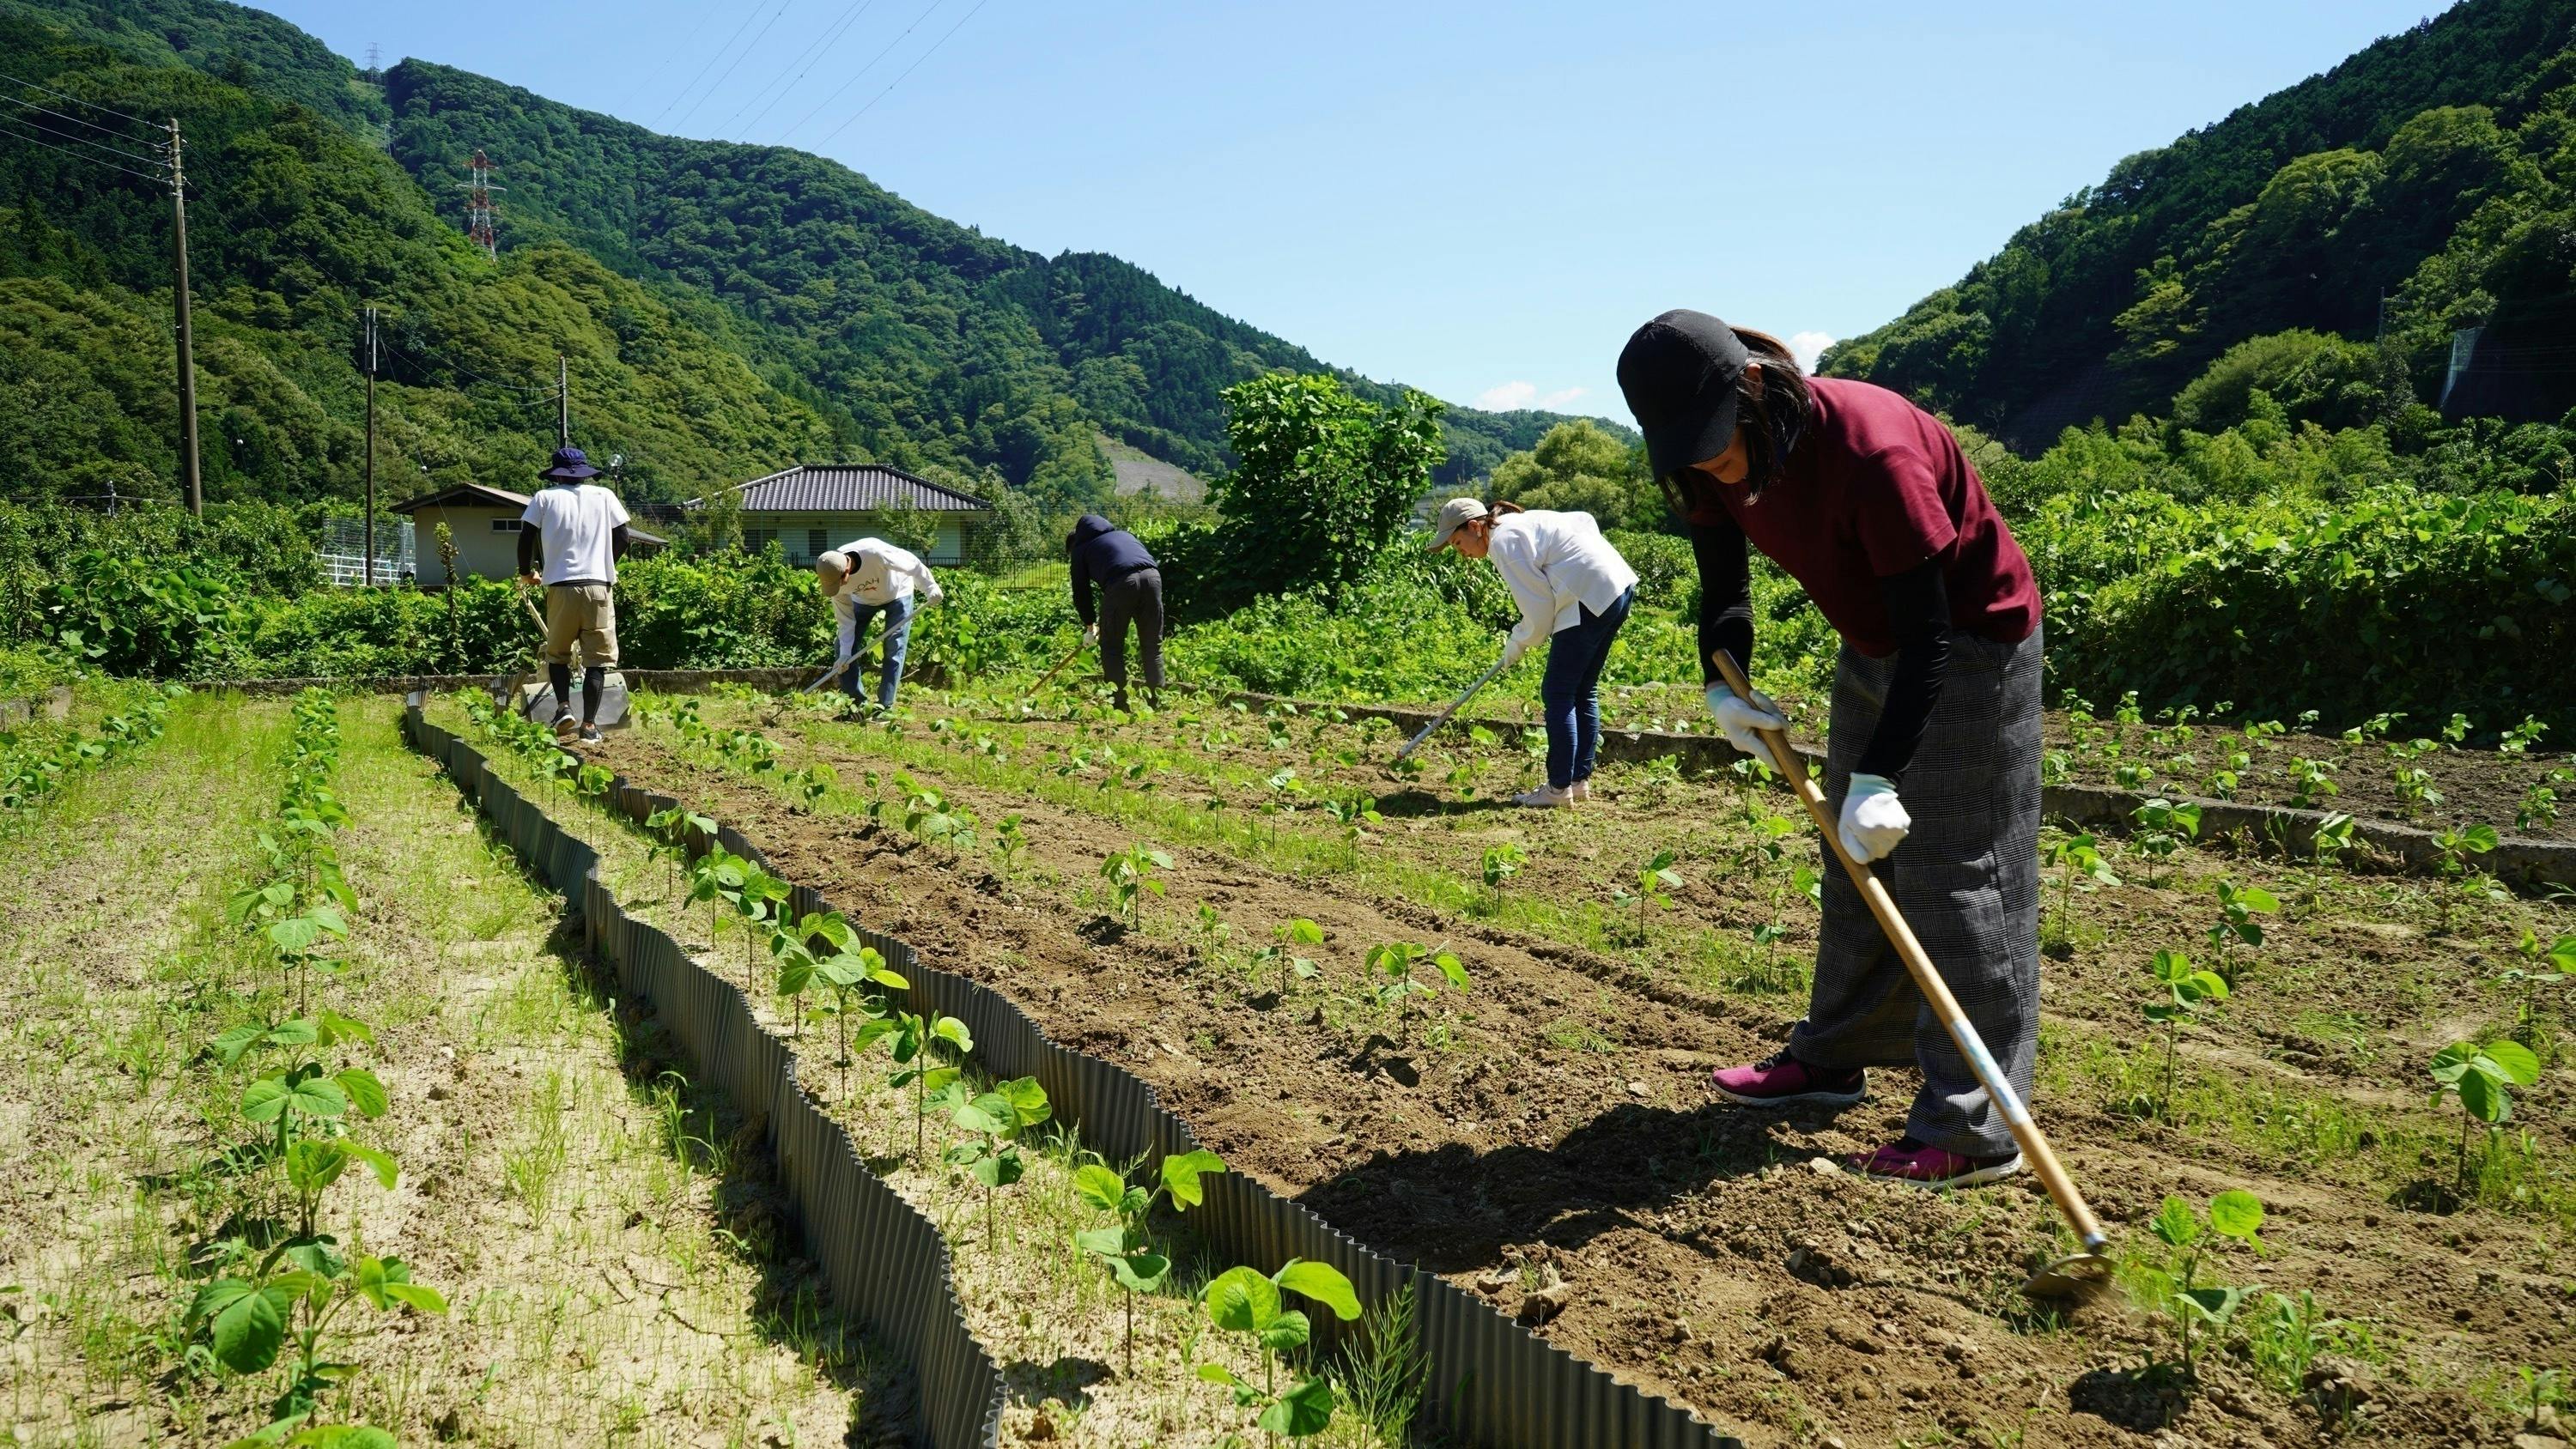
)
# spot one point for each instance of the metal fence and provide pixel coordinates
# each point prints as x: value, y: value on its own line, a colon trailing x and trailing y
x: 341, y: 551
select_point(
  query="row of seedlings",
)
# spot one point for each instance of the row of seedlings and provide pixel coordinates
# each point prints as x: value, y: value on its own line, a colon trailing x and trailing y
x: 819, y: 971
x: 36, y: 765
x: 279, y: 1282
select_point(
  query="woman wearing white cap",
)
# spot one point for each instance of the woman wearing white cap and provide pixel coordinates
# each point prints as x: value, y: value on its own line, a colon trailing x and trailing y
x: 1574, y: 591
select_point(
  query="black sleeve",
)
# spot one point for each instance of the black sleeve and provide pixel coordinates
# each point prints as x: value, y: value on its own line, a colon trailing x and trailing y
x: 528, y: 537
x: 1918, y: 606
x: 1725, y: 597
x: 619, y: 541
x: 1081, y: 588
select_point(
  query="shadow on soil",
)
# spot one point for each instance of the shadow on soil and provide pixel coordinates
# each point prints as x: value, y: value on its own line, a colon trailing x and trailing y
x: 699, y: 1128
x: 1453, y: 1208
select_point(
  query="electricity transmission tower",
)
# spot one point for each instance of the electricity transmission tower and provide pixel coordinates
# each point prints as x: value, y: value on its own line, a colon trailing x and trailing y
x: 478, y: 204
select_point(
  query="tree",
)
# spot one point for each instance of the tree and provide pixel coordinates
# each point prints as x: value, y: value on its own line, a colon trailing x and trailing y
x: 1326, y: 480
x: 1578, y: 467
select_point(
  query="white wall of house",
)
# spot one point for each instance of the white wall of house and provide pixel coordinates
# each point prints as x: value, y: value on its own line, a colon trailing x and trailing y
x: 487, y: 542
x: 800, y: 536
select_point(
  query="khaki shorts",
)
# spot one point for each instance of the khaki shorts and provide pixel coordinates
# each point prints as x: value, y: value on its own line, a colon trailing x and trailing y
x: 583, y: 613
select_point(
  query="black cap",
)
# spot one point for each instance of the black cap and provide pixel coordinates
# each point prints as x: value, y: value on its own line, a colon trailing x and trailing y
x: 570, y: 466
x: 1679, y: 372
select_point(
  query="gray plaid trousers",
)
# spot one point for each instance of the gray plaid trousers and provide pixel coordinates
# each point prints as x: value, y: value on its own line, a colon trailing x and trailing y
x: 1966, y: 879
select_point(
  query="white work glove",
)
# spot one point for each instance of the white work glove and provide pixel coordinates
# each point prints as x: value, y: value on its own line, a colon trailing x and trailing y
x: 1874, y: 820
x: 1090, y: 633
x: 1743, y: 719
x: 1512, y: 653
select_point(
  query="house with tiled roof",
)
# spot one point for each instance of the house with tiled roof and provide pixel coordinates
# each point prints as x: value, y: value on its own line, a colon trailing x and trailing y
x: 815, y: 506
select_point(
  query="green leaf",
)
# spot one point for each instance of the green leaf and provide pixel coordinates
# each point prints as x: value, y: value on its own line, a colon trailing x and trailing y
x: 1140, y: 1272
x: 1450, y: 967
x: 2175, y: 1223
x: 999, y: 1170
x: 2237, y: 1213
x: 1100, y: 1187
x: 2478, y: 839
x: 1302, y: 1412
x: 989, y: 1114
x: 231, y: 1044
x: 2520, y: 1066
x: 952, y: 1031
x: 313, y: 1165
x: 1217, y: 1373
x: 2484, y: 1097
x: 1289, y: 1330
x: 1303, y: 932
x: 364, y: 1092
x: 301, y: 1031
x: 2205, y: 985
x: 248, y: 1330
x: 342, y: 1436
x: 2255, y: 898
x: 1181, y: 1175
x: 1107, y: 1242
x: 2213, y: 1306
x: 418, y: 1297
x: 1240, y: 1300
x: 378, y: 1161
x: 1027, y: 1102
x: 1323, y: 1283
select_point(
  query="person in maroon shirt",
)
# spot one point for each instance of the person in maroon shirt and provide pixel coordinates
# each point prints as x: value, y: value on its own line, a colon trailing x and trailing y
x: 1932, y: 755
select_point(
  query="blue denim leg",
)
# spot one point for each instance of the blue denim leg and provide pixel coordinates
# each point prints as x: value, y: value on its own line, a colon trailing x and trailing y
x: 1570, y: 692
x: 898, y: 638
x: 850, y: 682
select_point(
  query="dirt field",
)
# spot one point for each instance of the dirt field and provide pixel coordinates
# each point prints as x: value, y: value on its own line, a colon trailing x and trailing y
x: 1555, y: 1115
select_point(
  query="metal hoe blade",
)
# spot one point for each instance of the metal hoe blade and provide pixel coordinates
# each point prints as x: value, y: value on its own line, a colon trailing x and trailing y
x: 2076, y: 1276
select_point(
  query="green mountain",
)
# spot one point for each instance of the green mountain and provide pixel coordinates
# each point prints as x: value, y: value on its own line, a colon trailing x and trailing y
x: 720, y: 307
x: 2418, y: 188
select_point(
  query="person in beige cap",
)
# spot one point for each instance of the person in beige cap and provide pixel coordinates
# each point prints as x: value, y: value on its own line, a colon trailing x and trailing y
x: 1574, y: 591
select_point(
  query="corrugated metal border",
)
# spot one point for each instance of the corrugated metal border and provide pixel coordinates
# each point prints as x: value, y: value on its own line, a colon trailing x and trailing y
x: 1490, y: 1382
x: 884, y: 1263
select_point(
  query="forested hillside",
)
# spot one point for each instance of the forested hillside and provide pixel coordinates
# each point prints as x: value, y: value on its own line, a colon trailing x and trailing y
x: 2430, y: 169
x: 722, y: 308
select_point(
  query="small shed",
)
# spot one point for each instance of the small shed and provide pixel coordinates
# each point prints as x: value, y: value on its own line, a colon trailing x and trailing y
x: 484, y: 521
x: 817, y: 506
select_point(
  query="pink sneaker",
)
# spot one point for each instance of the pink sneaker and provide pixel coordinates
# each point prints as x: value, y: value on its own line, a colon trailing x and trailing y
x: 1781, y: 1080
x: 1910, y: 1162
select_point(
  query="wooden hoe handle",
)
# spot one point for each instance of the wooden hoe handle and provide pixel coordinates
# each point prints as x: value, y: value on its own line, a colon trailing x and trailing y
x: 1927, y: 979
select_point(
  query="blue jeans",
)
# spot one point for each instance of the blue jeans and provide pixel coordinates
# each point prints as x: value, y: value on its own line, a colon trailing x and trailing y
x: 898, y: 636
x: 1569, y: 694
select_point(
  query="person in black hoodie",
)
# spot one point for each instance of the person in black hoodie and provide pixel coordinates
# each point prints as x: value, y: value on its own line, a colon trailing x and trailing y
x: 1131, y: 588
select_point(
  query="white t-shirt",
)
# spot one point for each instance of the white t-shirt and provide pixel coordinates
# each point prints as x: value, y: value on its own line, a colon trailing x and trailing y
x: 880, y: 573
x: 574, y: 523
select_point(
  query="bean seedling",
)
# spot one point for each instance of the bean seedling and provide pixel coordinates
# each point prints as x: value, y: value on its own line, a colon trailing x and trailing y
x: 2076, y: 856
x: 1243, y: 1301
x: 2237, y: 908
x: 997, y: 1118
x: 918, y: 1042
x: 809, y: 785
x: 1395, y: 961
x: 1299, y: 932
x: 1501, y: 863
x: 2163, y: 826
x: 2454, y: 847
x: 2182, y: 988
x: 2478, y: 1076
x: 2312, y: 781
x: 852, y: 976
x: 1130, y: 874
x: 1126, y: 1249
x: 2547, y: 963
x: 1655, y: 884
x: 2233, y: 1214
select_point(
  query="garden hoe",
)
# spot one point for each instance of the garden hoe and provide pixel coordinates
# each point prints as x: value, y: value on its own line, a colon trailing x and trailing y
x: 1070, y: 655
x: 536, y: 699
x: 809, y: 686
x: 2083, y: 1272
x: 1442, y: 717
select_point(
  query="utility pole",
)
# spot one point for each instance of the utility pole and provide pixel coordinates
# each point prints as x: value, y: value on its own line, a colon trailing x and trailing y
x: 187, y: 336
x: 563, y: 402
x: 370, y: 565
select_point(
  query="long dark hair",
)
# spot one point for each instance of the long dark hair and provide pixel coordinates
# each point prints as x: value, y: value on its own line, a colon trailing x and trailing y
x: 1773, y: 404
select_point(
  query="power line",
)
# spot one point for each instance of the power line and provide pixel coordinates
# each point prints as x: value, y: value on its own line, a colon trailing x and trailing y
x: 706, y: 14
x: 907, y: 70
x: 831, y: 36
x: 862, y: 71
x: 77, y: 100
x: 84, y: 140
x: 748, y: 16
x: 162, y: 180
x: 729, y: 70
x: 99, y: 126
x: 454, y: 366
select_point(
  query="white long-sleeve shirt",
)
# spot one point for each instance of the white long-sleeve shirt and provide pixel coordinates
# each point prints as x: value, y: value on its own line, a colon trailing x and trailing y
x: 1557, y: 565
x: 880, y: 573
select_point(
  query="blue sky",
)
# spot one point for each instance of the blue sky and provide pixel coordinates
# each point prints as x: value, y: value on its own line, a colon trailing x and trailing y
x: 1479, y: 200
